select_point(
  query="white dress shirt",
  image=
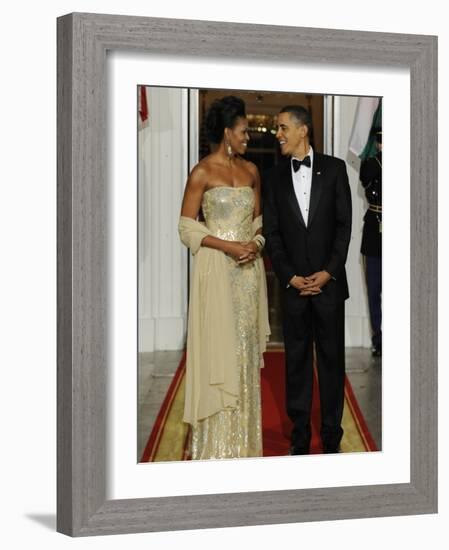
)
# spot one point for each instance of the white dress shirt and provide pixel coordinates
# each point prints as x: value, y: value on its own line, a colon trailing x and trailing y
x: 302, y: 183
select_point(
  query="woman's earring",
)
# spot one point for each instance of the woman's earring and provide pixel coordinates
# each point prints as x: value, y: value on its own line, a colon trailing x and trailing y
x: 229, y: 149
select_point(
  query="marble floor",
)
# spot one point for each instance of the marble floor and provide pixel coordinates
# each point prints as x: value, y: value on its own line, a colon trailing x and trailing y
x: 156, y: 371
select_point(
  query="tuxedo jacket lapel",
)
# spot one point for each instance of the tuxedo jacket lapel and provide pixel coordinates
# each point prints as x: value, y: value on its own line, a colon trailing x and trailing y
x: 292, y: 201
x: 317, y: 186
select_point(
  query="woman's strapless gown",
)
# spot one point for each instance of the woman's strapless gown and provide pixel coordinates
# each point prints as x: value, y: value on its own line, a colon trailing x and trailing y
x: 228, y: 212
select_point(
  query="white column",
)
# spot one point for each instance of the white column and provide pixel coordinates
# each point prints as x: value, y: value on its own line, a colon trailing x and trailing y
x: 358, y: 332
x: 162, y: 257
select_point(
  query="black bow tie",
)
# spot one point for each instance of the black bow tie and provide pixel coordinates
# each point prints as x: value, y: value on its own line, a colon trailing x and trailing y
x: 297, y: 163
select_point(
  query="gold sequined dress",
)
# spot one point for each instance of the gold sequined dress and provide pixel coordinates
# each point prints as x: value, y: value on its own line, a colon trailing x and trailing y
x: 228, y: 212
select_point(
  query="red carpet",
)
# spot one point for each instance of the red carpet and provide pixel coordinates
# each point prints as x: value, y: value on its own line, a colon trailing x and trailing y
x: 276, y: 424
x: 169, y: 437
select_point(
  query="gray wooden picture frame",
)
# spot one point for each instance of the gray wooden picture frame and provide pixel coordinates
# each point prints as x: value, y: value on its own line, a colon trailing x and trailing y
x: 83, y: 41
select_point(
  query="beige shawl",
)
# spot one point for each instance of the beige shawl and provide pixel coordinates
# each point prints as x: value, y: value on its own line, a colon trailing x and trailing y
x: 212, y: 376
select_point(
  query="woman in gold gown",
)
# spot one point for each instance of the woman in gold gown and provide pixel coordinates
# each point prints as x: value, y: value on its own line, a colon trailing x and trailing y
x: 228, y: 316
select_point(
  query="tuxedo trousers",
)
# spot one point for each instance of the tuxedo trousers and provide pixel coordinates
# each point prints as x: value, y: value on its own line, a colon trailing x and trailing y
x: 309, y: 321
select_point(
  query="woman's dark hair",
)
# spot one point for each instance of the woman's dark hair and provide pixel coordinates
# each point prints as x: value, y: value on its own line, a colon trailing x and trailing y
x: 302, y: 115
x: 223, y: 113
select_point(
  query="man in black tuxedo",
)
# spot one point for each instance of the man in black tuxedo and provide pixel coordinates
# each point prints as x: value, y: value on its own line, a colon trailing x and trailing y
x: 307, y: 219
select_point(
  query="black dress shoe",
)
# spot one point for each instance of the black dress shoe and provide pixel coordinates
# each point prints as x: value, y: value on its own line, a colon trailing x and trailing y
x: 330, y: 450
x: 295, y: 450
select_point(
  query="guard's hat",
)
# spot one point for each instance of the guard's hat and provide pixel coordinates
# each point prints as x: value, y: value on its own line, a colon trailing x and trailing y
x: 377, y: 133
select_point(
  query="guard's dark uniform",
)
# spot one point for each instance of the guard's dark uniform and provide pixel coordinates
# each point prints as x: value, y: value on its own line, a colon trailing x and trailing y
x: 371, y: 179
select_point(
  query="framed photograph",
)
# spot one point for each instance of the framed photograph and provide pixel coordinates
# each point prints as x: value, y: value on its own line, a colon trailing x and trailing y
x: 104, y: 63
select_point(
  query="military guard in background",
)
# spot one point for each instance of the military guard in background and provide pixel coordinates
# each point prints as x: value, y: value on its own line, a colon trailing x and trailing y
x: 371, y: 179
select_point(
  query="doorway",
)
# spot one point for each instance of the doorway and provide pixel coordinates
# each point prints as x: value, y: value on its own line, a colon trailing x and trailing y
x: 263, y: 150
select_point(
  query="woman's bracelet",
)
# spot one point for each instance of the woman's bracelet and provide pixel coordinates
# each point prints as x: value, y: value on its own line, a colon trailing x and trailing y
x: 260, y: 241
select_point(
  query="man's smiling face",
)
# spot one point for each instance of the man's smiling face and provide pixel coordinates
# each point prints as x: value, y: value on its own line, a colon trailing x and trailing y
x: 290, y: 134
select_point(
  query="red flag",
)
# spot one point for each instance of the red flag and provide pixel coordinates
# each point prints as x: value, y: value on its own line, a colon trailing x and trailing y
x: 143, y: 106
